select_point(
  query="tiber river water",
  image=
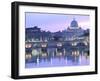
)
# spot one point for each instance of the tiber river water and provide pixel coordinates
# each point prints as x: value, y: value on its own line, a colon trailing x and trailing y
x: 71, y: 58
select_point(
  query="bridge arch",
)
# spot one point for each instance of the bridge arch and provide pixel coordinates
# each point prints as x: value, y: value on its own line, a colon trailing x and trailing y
x: 67, y: 44
x: 81, y: 44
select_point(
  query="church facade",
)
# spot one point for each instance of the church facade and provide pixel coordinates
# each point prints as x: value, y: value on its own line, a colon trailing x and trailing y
x: 73, y: 30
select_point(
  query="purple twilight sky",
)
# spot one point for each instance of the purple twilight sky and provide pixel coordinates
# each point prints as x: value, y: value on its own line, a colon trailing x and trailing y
x: 55, y: 22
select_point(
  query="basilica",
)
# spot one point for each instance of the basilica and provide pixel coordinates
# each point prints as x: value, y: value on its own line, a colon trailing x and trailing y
x: 73, y: 30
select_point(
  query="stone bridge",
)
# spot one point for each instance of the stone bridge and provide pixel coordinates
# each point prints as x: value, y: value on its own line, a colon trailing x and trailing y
x: 71, y: 42
x: 57, y: 47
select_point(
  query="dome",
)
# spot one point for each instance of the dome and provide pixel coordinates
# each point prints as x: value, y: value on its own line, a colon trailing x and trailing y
x: 74, y: 23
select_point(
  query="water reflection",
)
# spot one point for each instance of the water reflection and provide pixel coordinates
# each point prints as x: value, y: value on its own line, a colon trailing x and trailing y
x: 56, y: 57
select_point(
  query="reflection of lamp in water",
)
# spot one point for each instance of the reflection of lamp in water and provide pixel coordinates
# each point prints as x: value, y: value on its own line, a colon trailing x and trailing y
x: 35, y: 52
x: 44, y: 52
x: 58, y: 52
x: 64, y: 51
x: 28, y: 56
x: 75, y: 53
x: 37, y: 61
